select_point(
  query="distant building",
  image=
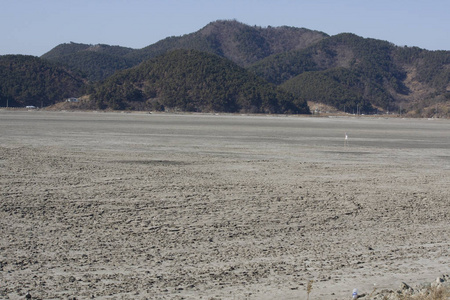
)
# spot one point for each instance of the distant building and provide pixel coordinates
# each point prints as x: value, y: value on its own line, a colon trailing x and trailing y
x: 72, y: 100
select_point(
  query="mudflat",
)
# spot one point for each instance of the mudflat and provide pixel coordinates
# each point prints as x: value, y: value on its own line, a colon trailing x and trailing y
x: 166, y: 206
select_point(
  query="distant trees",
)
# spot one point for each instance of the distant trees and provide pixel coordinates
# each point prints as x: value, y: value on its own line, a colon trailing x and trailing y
x: 344, y: 71
x: 432, y: 66
x: 251, y: 44
x: 95, y: 62
x: 28, y: 80
x: 190, y: 80
x: 236, y: 41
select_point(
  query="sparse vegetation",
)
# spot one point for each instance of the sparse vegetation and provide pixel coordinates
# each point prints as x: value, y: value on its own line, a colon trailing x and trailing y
x: 430, y: 292
x: 309, y: 287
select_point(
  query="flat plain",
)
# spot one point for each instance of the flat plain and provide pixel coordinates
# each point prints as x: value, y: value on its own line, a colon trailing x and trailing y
x: 186, y: 206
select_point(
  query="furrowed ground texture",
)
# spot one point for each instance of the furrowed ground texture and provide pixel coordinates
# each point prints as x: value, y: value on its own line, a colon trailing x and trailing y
x: 160, y: 206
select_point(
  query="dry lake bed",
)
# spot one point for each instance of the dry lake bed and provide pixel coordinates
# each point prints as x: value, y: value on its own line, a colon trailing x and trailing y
x: 166, y: 206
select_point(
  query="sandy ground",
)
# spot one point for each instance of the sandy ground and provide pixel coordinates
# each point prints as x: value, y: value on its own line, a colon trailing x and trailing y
x: 158, y: 206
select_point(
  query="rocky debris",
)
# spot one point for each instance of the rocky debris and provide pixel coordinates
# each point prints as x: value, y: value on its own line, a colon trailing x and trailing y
x: 406, y: 289
x: 408, y: 292
x: 443, y: 278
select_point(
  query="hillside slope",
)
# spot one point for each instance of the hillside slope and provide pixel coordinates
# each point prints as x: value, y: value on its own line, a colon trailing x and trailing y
x: 241, y: 43
x: 345, y: 71
x: 97, y: 62
x: 360, y: 74
x: 190, y: 80
x: 28, y: 80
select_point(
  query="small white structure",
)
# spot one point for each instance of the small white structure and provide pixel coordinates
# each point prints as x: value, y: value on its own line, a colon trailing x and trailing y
x: 30, y: 107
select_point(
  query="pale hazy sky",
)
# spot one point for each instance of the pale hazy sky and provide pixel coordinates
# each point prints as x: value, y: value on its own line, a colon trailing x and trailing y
x: 36, y: 26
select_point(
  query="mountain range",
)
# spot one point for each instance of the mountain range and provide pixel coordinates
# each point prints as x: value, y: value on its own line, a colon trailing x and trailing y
x: 233, y: 67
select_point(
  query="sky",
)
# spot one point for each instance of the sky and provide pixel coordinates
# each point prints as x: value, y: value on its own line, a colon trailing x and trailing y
x: 34, y: 27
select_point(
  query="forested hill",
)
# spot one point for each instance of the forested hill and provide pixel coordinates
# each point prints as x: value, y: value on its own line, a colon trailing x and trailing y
x: 241, y: 43
x: 354, y: 73
x: 344, y: 71
x: 71, y: 48
x: 97, y: 62
x: 29, y: 80
x: 190, y: 80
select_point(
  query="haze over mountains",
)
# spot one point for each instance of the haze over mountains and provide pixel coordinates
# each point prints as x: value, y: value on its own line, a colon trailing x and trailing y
x: 233, y: 67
